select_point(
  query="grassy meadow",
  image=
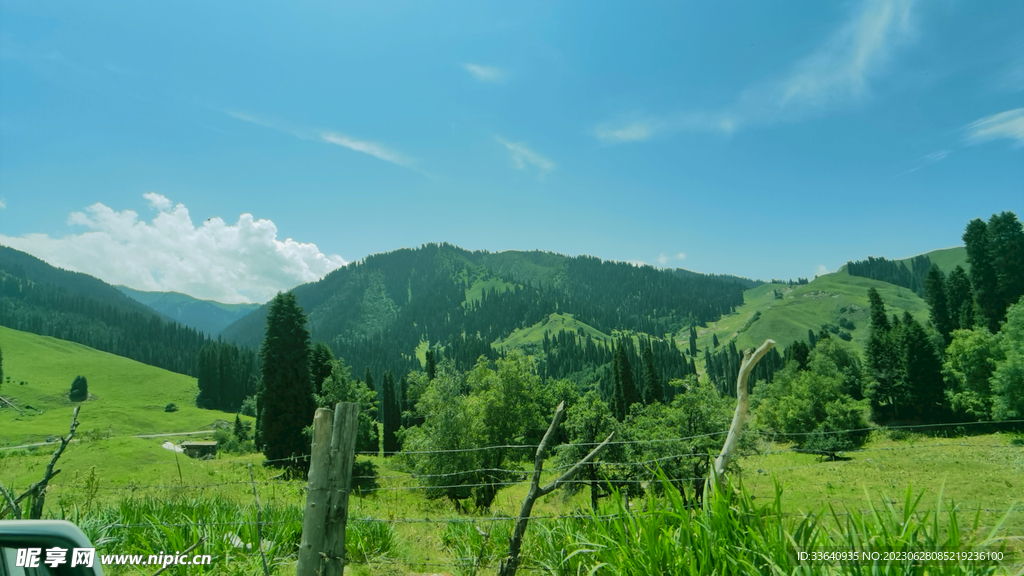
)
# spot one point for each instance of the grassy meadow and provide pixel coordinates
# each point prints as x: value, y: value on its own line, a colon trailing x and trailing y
x: 825, y: 300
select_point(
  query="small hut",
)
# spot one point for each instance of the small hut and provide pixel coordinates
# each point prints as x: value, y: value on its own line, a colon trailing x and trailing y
x: 200, y: 448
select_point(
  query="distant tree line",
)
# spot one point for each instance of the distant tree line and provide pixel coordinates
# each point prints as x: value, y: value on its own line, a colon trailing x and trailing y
x: 894, y: 272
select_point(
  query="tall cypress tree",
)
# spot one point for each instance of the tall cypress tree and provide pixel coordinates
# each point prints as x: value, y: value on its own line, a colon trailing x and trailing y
x: 391, y: 414
x: 321, y: 362
x: 921, y: 372
x: 625, y: 385
x: 984, y: 280
x: 693, y: 341
x: 284, y: 402
x: 882, y: 362
x: 431, y: 365
x: 959, y: 300
x: 1006, y: 247
x: 938, y: 302
x: 654, y: 391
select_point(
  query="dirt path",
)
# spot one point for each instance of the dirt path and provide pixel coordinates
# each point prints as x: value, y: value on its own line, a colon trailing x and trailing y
x: 136, y: 436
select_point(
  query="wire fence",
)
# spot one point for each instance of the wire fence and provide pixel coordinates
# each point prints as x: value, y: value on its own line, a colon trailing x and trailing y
x: 511, y: 476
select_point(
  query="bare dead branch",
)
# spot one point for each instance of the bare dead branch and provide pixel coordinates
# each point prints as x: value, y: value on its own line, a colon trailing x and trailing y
x: 742, y: 405
x: 39, y: 488
x: 510, y: 564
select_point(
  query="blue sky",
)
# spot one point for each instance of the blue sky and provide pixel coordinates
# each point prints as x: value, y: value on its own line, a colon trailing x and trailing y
x: 229, y: 150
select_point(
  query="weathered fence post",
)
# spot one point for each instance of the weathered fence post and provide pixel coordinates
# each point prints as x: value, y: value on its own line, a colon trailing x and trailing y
x: 322, y: 549
x: 740, y: 416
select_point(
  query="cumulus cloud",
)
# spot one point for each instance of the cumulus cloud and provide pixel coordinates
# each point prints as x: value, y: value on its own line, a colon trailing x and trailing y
x: 485, y: 73
x: 836, y: 73
x: 232, y: 263
x: 666, y: 258
x: 1009, y: 125
x: 821, y: 270
x: 3, y: 204
x: 374, y: 149
x: 522, y: 156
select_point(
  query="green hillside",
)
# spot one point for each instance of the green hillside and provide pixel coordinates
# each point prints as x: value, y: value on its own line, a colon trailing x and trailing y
x: 826, y: 300
x: 946, y: 259
x: 125, y: 397
x: 551, y: 325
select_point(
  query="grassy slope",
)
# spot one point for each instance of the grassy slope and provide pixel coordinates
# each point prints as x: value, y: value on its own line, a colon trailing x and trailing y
x: 808, y: 306
x: 552, y: 324
x: 126, y: 397
x: 947, y: 258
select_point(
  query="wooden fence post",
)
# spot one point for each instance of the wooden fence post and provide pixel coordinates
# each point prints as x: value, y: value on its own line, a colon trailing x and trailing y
x: 322, y: 550
x: 343, y: 453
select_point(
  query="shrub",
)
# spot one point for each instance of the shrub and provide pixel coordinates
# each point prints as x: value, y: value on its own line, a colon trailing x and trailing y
x: 79, y: 390
x: 172, y: 407
x: 248, y: 406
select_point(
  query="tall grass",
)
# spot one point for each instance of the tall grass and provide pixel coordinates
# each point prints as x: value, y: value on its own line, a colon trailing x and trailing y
x: 730, y: 535
x: 150, y: 526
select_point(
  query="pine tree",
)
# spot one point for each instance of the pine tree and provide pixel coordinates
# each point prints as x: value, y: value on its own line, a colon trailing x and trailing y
x: 811, y: 338
x: 984, y: 280
x: 431, y: 365
x: 714, y: 340
x: 938, y: 302
x: 284, y: 402
x: 625, y: 386
x: 693, y: 341
x: 882, y: 363
x: 391, y: 414
x: 922, y: 374
x: 654, y: 391
x: 1006, y: 246
x: 241, y: 431
x: 321, y: 362
x: 960, y: 303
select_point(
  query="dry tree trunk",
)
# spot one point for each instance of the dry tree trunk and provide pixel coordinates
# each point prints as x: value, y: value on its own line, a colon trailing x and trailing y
x: 739, y: 418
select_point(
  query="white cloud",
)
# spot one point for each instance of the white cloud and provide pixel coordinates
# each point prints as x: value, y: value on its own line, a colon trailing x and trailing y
x: 522, y: 155
x: 1009, y: 125
x: 378, y: 151
x: 375, y: 150
x: 634, y: 132
x: 485, y: 73
x: 3, y: 204
x: 836, y: 73
x: 241, y: 262
x: 932, y: 158
x: 666, y: 258
x: 821, y: 270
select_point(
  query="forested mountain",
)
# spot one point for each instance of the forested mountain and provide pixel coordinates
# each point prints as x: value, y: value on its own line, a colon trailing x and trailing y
x: 38, y: 298
x: 377, y: 312
x: 207, y: 316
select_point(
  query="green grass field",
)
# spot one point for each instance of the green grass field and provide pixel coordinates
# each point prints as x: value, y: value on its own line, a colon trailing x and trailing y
x: 125, y: 397
x: 825, y: 300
